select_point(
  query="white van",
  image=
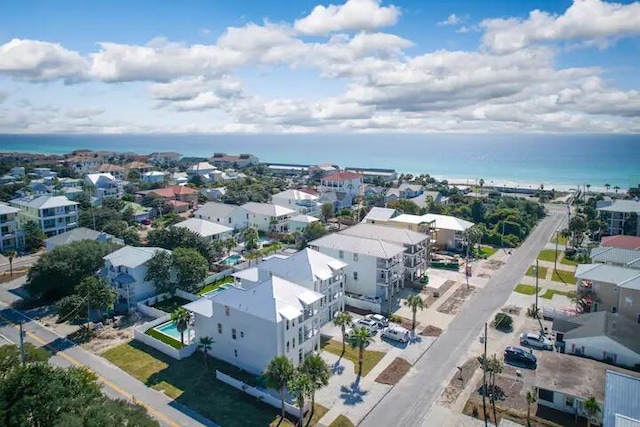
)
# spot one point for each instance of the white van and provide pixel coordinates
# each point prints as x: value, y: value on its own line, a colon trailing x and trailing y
x: 396, y: 333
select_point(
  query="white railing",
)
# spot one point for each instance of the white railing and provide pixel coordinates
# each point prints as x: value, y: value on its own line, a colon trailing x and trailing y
x: 260, y: 394
x: 178, y: 354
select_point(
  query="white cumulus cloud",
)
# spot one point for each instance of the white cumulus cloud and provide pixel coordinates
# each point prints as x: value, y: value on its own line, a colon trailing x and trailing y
x: 594, y: 21
x: 354, y: 15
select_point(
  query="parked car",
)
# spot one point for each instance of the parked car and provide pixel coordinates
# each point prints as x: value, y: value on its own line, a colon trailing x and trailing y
x: 534, y: 340
x: 382, y: 321
x: 520, y: 356
x: 369, y: 324
x: 146, y: 222
x: 396, y: 333
x: 371, y: 299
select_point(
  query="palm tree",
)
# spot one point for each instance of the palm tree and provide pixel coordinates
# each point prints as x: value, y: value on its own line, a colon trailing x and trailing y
x: 278, y: 373
x: 360, y: 338
x: 300, y: 386
x: 229, y: 244
x: 343, y: 319
x: 607, y: 186
x: 497, y: 367
x: 616, y: 188
x: 319, y: 373
x: 588, y: 187
x: 205, y: 345
x: 592, y: 407
x: 541, y: 187
x: 180, y: 317
x: 415, y: 303
x: 481, y: 182
x: 531, y: 399
x: 11, y: 255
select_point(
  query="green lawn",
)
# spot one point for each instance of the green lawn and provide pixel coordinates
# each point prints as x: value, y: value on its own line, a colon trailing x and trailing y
x: 215, y: 285
x: 371, y: 357
x: 547, y: 255
x: 566, y: 261
x: 170, y: 304
x: 191, y: 384
x: 525, y: 289
x: 488, y: 250
x: 564, y: 276
x: 549, y: 293
x: 341, y: 421
x: 561, y: 240
x: 542, y: 272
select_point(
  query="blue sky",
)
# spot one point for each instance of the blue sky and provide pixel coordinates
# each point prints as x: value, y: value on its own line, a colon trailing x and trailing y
x: 308, y: 66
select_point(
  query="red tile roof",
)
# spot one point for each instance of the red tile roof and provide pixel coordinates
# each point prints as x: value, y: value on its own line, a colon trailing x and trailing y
x: 342, y: 176
x: 625, y: 242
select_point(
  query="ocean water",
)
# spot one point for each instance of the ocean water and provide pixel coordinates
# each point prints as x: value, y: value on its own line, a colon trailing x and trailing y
x: 528, y: 160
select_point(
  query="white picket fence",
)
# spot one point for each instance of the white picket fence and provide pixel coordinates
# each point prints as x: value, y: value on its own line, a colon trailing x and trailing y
x: 260, y: 394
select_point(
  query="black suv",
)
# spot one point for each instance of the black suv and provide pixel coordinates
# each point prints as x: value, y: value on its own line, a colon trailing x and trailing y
x: 520, y: 356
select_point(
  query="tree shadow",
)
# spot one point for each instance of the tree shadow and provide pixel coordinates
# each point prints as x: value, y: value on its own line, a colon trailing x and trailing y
x: 352, y: 394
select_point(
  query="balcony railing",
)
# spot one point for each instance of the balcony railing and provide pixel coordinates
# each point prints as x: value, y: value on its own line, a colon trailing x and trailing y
x: 387, y: 264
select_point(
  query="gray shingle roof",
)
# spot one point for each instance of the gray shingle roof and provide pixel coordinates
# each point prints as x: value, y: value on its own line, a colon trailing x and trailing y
x: 606, y: 273
x: 602, y: 323
x: 45, y: 202
x: 218, y: 210
x: 627, y: 206
x: 359, y: 245
x: 80, y: 233
x: 397, y: 235
x: 203, y: 227
x: 609, y: 254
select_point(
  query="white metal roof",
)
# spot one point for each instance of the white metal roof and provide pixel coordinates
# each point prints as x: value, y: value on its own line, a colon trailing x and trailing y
x: 131, y: 256
x: 380, y: 214
x: 626, y: 206
x: 359, y: 245
x: 6, y: 209
x: 267, y: 209
x: 447, y: 222
x: 95, y: 178
x: 307, y: 219
x: 611, y: 254
x: 272, y: 299
x: 304, y: 266
x: 292, y: 194
x: 216, y: 210
x: 203, y: 227
x: 202, y: 306
x: 44, y: 202
x: 618, y: 276
x: 390, y: 234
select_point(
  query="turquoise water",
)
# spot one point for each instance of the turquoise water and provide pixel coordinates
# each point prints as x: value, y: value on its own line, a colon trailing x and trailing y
x: 264, y: 240
x: 217, y: 290
x: 530, y: 158
x: 231, y: 260
x: 170, y: 329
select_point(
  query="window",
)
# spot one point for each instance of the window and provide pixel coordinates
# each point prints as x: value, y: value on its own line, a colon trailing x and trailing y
x: 219, y: 328
x: 293, y: 341
x: 628, y: 301
x: 287, y: 323
x: 235, y: 352
x: 355, y: 257
x: 569, y: 401
x: 614, y: 309
x: 355, y: 275
x: 233, y: 333
x: 241, y: 334
x: 546, y: 395
x: 287, y: 346
x: 615, y: 289
x: 226, y: 310
x: 300, y: 356
x: 341, y: 254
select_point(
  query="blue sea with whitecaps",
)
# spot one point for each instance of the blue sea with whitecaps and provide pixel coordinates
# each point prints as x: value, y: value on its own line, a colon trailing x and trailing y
x: 556, y: 161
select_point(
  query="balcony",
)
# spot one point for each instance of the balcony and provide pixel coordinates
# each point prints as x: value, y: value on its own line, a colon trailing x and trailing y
x: 387, y: 264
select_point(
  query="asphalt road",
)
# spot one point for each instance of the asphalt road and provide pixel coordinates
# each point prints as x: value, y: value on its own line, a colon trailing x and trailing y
x: 409, y: 402
x: 117, y: 383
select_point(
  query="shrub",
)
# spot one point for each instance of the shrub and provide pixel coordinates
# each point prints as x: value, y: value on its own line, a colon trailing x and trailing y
x: 503, y: 321
x: 394, y: 318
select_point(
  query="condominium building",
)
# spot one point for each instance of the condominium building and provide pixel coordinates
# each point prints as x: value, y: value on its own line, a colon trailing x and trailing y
x: 375, y: 270
x: 10, y: 236
x: 416, y: 255
x: 252, y: 325
x: 54, y: 214
x: 621, y: 216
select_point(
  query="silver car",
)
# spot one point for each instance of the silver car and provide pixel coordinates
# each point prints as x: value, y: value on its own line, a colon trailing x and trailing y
x: 534, y: 340
x: 382, y: 321
x: 371, y: 325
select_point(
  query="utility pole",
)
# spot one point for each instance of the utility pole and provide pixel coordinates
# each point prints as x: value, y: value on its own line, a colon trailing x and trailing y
x: 555, y: 261
x: 502, y: 236
x: 23, y: 360
x: 537, y: 269
x: 484, y: 378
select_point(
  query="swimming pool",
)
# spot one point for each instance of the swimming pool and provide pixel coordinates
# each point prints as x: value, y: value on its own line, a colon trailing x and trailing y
x: 217, y: 290
x: 169, y: 328
x: 232, y: 260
